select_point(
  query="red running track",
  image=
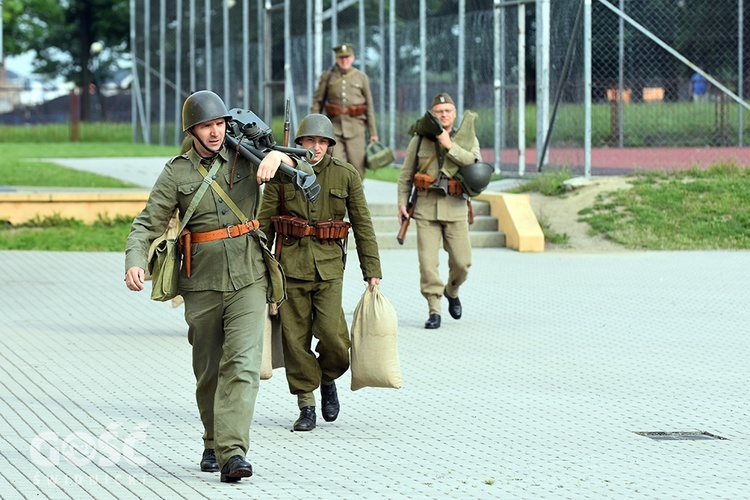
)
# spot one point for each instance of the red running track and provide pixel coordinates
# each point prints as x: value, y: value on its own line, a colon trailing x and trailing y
x: 609, y: 161
x: 616, y: 161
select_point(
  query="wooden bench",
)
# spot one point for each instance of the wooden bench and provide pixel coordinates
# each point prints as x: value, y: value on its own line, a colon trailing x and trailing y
x: 613, y: 95
x: 653, y: 94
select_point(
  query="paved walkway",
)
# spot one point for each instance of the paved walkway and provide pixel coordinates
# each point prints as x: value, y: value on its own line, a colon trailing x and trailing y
x: 537, y: 392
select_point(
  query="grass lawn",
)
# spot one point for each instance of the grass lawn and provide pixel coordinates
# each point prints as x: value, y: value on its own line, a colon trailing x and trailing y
x: 681, y: 210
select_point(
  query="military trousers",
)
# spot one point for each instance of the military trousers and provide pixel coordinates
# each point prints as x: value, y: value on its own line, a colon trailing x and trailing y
x: 352, y: 149
x: 455, y: 238
x: 313, y: 310
x: 226, y: 332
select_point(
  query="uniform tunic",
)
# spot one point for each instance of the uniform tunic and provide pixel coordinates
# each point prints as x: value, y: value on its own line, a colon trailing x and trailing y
x: 224, y: 297
x: 315, y: 272
x: 347, y: 89
x: 438, y: 217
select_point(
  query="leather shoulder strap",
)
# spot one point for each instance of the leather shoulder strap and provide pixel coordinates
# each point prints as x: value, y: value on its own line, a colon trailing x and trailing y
x: 207, y: 181
x: 230, y: 203
x: 328, y: 82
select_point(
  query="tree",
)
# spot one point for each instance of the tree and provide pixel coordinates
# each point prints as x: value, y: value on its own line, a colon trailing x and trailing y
x: 19, y: 26
x: 61, y: 33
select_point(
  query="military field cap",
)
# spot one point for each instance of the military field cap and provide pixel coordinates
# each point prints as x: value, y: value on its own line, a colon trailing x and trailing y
x: 442, y: 99
x: 345, y: 49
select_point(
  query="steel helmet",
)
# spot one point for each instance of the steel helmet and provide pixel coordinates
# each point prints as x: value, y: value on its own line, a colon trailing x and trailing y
x: 474, y: 177
x: 202, y: 106
x: 315, y: 125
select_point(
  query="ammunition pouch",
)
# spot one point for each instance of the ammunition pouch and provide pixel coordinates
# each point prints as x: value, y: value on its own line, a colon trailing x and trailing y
x: 356, y: 110
x: 288, y: 225
x: 424, y: 182
x: 331, y: 229
x: 454, y: 188
x: 334, y: 110
x: 324, y: 230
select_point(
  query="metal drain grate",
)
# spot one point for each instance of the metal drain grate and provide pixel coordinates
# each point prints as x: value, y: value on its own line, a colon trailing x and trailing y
x: 681, y: 436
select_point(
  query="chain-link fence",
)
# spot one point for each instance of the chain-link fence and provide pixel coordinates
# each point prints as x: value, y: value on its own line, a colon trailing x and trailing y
x: 485, y: 53
x: 237, y: 49
x: 645, y: 91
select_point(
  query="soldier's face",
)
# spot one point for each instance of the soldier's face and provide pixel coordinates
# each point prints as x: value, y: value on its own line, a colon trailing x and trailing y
x: 446, y: 113
x: 345, y: 62
x: 319, y: 145
x: 211, y: 135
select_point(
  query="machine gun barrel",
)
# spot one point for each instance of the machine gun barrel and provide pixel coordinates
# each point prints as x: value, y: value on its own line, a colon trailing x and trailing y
x: 307, y: 154
x: 244, y: 124
x: 307, y: 183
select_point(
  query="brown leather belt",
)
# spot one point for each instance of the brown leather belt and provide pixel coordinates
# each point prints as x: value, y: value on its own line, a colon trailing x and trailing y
x: 334, y: 110
x: 424, y: 182
x: 225, y: 232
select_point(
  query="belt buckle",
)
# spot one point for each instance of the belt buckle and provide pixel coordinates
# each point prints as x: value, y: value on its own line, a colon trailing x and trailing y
x: 229, y: 232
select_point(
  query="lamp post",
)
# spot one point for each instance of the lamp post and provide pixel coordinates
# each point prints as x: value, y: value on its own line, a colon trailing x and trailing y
x: 94, y: 64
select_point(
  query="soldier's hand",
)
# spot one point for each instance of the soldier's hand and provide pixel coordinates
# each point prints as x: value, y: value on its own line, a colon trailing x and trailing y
x: 445, y: 139
x: 273, y: 310
x: 402, y: 214
x: 373, y: 282
x: 134, y: 278
x: 373, y: 138
x: 270, y: 164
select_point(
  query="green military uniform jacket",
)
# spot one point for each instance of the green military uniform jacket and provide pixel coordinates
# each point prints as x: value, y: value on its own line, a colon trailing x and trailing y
x: 341, y: 192
x: 221, y: 265
x: 433, y: 205
x: 346, y: 89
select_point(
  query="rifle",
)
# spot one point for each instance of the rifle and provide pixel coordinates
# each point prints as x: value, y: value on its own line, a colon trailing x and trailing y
x: 406, y: 220
x: 286, y: 124
x: 273, y: 309
x: 252, y: 138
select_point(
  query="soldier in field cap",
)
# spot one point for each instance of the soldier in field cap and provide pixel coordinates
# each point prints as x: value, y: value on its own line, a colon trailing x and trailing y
x: 436, y: 153
x: 344, y: 95
x: 344, y: 50
x: 442, y: 98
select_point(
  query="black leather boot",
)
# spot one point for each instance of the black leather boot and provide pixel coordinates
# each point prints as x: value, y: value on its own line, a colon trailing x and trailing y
x: 208, y: 461
x: 454, y: 305
x: 235, y: 469
x: 306, y: 420
x: 433, y: 322
x: 330, y: 402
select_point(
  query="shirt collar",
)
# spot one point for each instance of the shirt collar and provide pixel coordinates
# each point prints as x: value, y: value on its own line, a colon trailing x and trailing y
x: 323, y: 163
x: 195, y: 158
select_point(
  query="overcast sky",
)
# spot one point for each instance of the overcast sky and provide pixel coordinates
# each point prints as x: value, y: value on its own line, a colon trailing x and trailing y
x: 20, y: 65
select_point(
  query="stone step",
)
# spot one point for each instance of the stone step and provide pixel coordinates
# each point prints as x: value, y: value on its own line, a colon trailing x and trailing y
x: 378, y: 208
x: 479, y: 239
x: 483, y: 233
x: 390, y: 223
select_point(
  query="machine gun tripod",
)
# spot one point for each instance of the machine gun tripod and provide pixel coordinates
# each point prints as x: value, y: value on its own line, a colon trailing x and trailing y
x: 253, y: 139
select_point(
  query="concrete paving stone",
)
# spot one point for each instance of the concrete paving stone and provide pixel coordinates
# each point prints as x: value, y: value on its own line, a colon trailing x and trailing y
x: 537, y: 392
